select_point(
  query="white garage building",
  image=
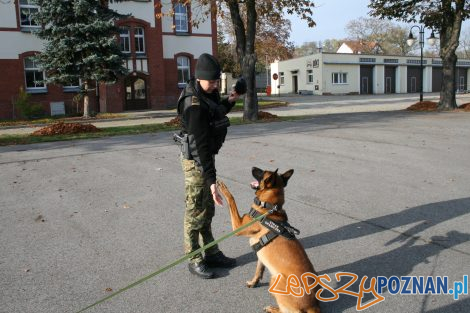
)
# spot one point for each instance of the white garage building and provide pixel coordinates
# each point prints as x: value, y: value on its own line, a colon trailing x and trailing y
x: 344, y: 73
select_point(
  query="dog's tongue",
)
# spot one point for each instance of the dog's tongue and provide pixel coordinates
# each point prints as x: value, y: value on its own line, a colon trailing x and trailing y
x: 254, y: 184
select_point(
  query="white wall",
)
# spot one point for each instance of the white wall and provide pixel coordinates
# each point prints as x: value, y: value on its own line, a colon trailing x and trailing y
x: 18, y: 42
x: 344, y: 48
x: 141, y: 10
x: 7, y: 15
x: 402, y: 77
x: 379, y: 82
x: 194, y: 45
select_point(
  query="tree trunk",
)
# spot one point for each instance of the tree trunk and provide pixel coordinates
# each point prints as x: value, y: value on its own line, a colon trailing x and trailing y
x: 447, y: 100
x: 250, y: 108
x: 86, y: 102
x: 245, y: 37
x: 449, y: 39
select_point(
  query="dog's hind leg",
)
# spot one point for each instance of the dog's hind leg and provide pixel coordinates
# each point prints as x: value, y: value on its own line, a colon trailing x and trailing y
x: 272, y: 309
x: 258, y: 275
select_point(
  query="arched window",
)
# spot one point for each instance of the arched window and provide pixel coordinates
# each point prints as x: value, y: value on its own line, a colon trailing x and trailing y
x: 183, y: 65
x: 34, y: 76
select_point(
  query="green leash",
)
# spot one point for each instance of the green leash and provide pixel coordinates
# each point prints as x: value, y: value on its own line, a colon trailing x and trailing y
x: 180, y: 260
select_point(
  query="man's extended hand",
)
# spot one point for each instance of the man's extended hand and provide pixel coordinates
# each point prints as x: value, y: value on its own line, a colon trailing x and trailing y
x: 233, y: 96
x: 216, y: 196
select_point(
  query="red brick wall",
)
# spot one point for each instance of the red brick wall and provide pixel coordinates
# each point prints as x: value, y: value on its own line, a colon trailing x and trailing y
x: 10, y: 82
x: 13, y: 79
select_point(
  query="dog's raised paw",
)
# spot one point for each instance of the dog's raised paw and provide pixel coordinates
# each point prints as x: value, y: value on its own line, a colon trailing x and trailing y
x: 251, y: 284
x: 222, y: 187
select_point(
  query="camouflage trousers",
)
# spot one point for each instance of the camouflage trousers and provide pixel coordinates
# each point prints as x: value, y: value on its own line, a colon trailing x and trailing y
x: 199, y: 211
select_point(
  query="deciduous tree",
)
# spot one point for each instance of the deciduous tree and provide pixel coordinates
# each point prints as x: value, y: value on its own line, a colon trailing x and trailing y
x: 245, y: 35
x: 390, y: 36
x: 444, y: 16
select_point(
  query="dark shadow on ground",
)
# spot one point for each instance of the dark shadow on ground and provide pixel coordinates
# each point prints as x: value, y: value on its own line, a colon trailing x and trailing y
x: 399, y: 261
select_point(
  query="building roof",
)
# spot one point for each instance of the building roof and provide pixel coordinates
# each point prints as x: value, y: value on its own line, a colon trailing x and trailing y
x: 359, y: 47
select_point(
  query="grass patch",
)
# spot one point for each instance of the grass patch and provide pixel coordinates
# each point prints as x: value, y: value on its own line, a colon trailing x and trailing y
x: 6, y: 140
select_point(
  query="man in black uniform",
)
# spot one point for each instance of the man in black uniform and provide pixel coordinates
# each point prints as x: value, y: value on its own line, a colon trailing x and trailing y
x: 204, y: 120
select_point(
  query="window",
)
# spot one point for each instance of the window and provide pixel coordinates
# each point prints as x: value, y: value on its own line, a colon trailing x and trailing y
x: 181, y: 18
x: 34, y: 75
x: 309, y: 76
x: 281, y: 78
x: 339, y: 78
x: 125, y: 39
x: 183, y: 70
x: 27, y: 9
x: 139, y: 40
x: 73, y: 86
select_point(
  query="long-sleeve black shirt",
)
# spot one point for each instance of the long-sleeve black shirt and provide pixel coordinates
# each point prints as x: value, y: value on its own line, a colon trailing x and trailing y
x: 198, y: 117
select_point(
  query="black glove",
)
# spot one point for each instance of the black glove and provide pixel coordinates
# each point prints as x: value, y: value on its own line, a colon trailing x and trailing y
x: 240, y: 86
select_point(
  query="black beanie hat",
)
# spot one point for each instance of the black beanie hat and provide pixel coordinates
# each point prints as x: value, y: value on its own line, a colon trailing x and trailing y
x: 207, y: 67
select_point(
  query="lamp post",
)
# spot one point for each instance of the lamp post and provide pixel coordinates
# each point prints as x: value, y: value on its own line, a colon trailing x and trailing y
x: 410, y: 41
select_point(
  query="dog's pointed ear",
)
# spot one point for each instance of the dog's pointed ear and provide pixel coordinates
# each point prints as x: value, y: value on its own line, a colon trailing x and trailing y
x: 270, y: 181
x: 257, y: 173
x: 285, y: 177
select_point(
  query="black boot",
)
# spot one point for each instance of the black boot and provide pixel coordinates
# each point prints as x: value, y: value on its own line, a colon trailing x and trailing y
x: 219, y: 260
x: 200, y: 269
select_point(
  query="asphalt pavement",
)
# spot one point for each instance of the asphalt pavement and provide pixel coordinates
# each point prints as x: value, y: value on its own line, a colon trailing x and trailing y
x: 373, y: 193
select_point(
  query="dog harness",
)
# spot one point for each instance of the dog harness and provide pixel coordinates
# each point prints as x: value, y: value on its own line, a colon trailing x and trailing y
x: 276, y: 228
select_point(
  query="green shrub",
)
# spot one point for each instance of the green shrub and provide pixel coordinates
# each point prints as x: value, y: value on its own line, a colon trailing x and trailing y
x: 28, y: 110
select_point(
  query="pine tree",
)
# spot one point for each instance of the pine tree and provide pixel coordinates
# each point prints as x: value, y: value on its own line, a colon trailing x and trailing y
x: 80, y: 44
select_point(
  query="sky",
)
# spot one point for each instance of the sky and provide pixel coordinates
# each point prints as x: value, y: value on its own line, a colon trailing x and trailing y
x: 331, y: 17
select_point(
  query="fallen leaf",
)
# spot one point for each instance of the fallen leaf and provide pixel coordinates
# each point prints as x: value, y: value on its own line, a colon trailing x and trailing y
x: 40, y: 218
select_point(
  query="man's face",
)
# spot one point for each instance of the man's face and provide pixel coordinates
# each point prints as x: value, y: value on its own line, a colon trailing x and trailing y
x: 209, y: 85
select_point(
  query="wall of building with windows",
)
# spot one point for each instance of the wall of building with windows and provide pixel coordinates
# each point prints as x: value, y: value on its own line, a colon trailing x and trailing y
x: 160, y: 54
x: 336, y: 73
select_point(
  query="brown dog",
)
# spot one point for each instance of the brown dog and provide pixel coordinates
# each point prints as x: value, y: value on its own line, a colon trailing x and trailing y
x: 282, y: 254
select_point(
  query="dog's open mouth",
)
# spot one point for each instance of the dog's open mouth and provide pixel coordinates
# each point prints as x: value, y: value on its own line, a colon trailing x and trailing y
x: 254, y: 185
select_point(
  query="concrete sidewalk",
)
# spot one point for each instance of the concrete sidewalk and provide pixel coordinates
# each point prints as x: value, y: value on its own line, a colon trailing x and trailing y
x: 298, y: 105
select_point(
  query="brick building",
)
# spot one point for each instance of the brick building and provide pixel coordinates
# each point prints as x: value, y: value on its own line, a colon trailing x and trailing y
x: 160, y: 55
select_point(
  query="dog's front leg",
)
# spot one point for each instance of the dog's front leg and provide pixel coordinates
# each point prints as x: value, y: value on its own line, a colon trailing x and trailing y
x: 237, y: 221
x: 258, y: 275
x: 234, y: 215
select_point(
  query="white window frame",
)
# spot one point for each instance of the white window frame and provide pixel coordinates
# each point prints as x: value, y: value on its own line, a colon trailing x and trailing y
x: 281, y: 78
x: 183, y: 64
x: 339, y: 78
x: 38, y: 86
x: 125, y: 38
x: 139, y: 40
x: 309, y: 76
x: 72, y: 87
x: 30, y: 7
x: 181, y: 18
